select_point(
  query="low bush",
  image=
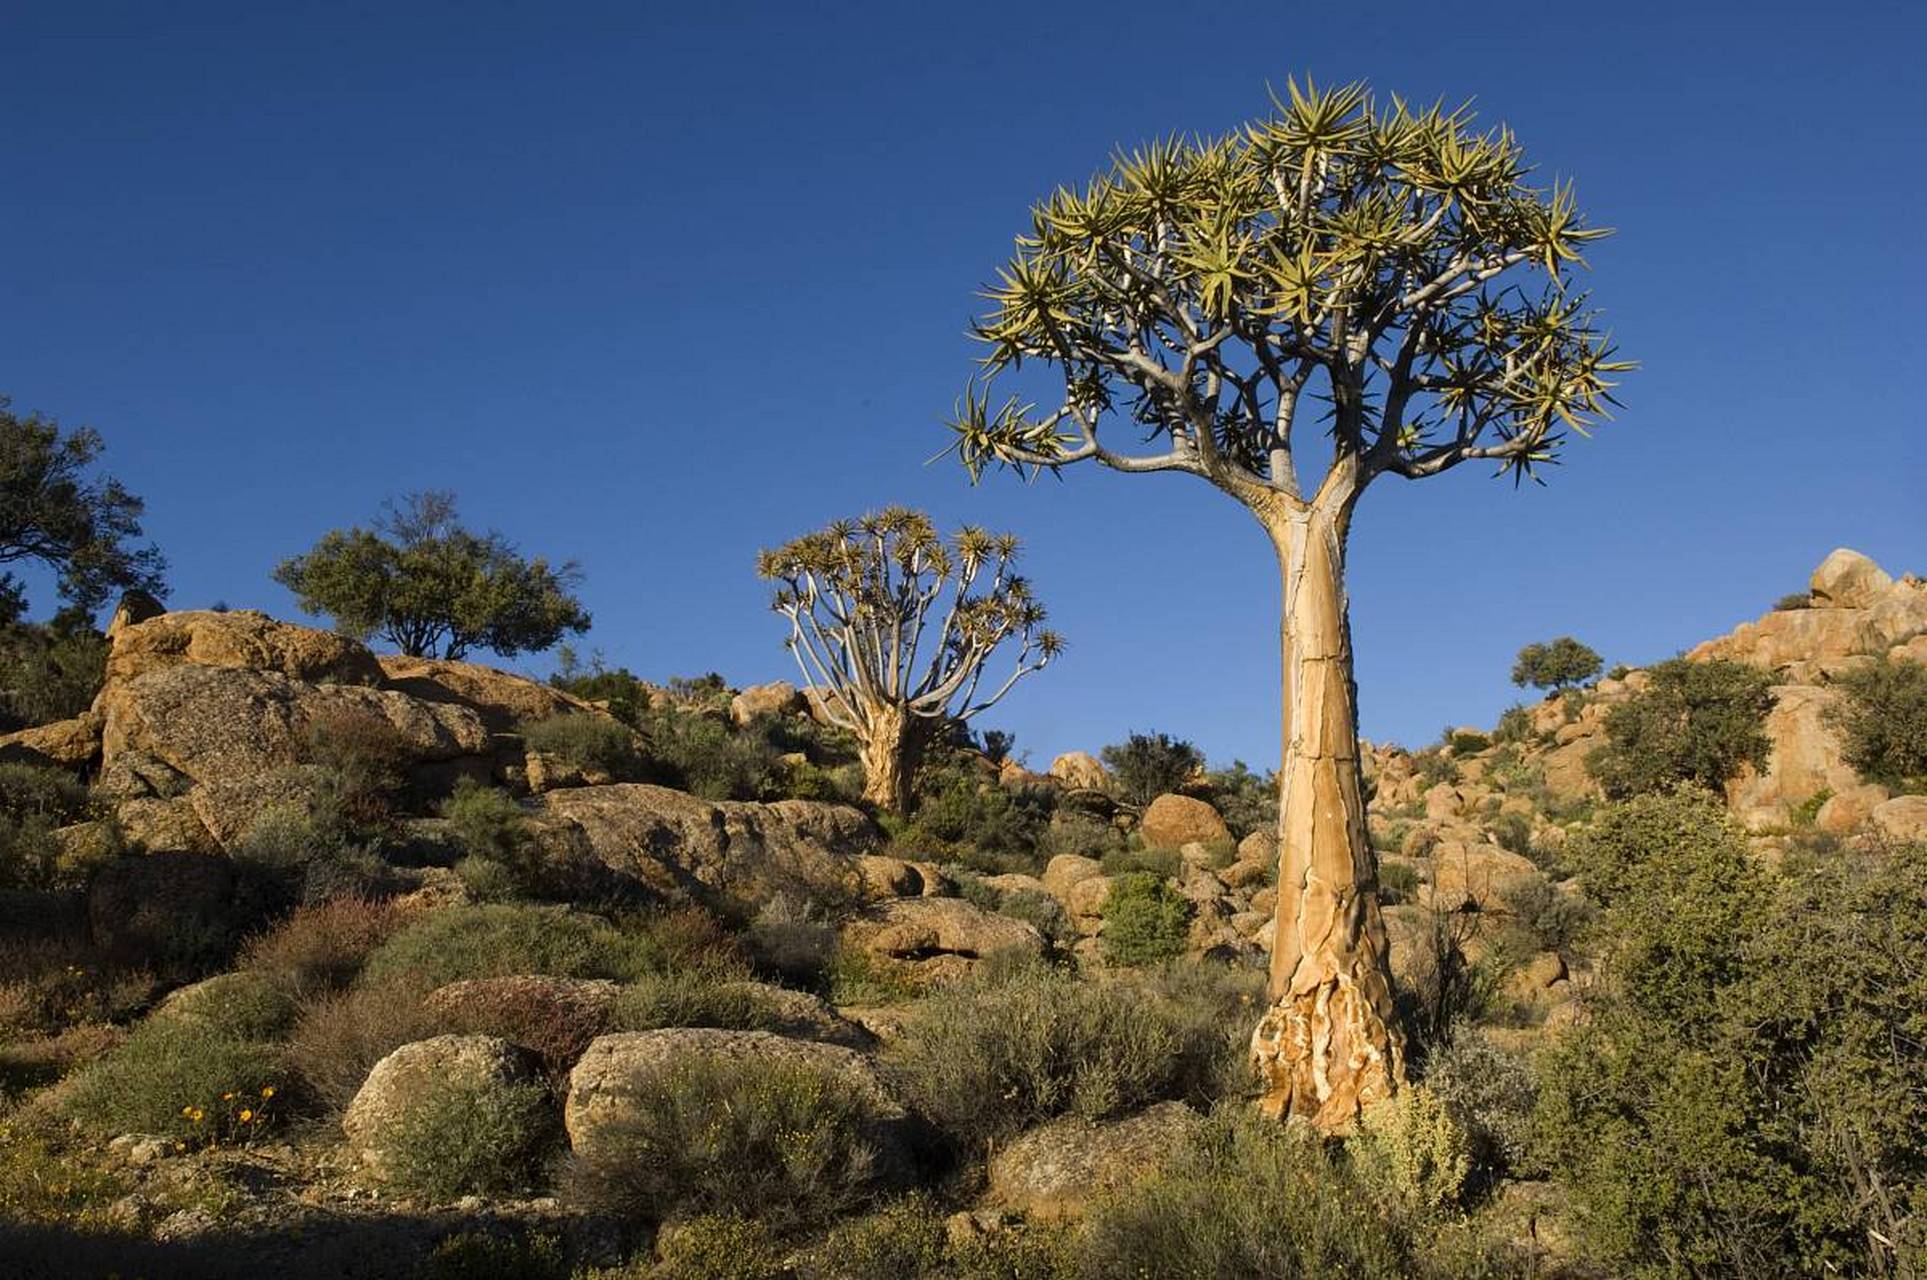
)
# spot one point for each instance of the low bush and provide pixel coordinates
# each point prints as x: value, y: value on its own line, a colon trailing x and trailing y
x: 31, y: 790
x: 468, y: 1138
x: 903, y: 1240
x: 1491, y: 1093
x: 692, y: 998
x: 1247, y: 801
x: 1081, y: 833
x: 496, y: 1255
x: 1695, y: 723
x: 1515, y: 725
x: 1412, y: 1152
x: 1467, y: 743
x: 498, y: 939
x: 43, y: 1185
x: 323, y: 946
x: 35, y: 801
x: 1019, y: 1044
x: 1162, y: 863
x: 307, y: 855
x: 1398, y: 882
x: 49, y: 671
x: 245, y: 1005
x: 554, y: 1025
x: 593, y: 743
x: 975, y: 822
x: 181, y: 1079
x: 701, y: 754
x: 1795, y: 600
x: 364, y: 768
x: 791, y: 1143
x: 1246, y: 1198
x: 1883, y: 722
x: 719, y: 1246
x: 1551, y: 919
x: 1146, y: 921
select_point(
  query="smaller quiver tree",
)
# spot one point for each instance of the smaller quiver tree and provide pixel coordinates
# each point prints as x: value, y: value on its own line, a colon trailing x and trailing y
x: 893, y: 627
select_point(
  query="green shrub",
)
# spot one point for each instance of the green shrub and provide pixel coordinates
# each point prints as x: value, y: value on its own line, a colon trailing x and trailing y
x: 34, y: 856
x: 792, y: 1143
x: 1467, y: 744
x: 1434, y: 766
x: 42, y: 1184
x: 1020, y: 1044
x: 975, y: 822
x: 1084, y: 834
x: 498, y: 939
x: 692, y: 998
x: 1412, y: 1152
x: 1747, y: 1095
x: 1041, y: 912
x: 468, y: 1138
x: 364, y: 768
x: 1397, y: 882
x: 1147, y: 765
x: 719, y: 1246
x: 244, y: 1005
x: 1797, y: 600
x: 903, y: 1240
x: 1146, y: 921
x: 183, y: 1079
x: 594, y: 743
x: 48, y: 672
x: 1696, y: 723
x: 1247, y: 801
x: 1491, y: 1093
x: 702, y: 755
x: 1246, y: 1198
x: 1515, y: 725
x: 1162, y: 863
x: 31, y: 790
x: 307, y: 857
x: 1883, y: 722
x: 493, y: 1255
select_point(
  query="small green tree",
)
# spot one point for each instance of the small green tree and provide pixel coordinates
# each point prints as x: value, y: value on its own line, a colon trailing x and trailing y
x: 1147, y: 765
x: 1342, y: 291
x: 423, y: 583
x: 85, y: 528
x: 1695, y: 723
x: 1556, y: 664
x: 892, y: 627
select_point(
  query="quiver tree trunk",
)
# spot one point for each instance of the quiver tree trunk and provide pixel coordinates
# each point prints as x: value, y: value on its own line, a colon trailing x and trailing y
x: 1329, y: 1045
x: 890, y: 750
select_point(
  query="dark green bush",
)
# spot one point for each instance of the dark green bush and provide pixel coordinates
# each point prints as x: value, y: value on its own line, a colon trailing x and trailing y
x: 496, y: 1255
x: 1697, y: 723
x: 306, y: 855
x: 49, y: 671
x: 1747, y: 1095
x: 594, y: 743
x: 1018, y: 1045
x: 1085, y: 834
x: 498, y: 939
x: 1551, y: 918
x: 36, y: 800
x: 31, y: 790
x: 1161, y: 863
x: 1464, y: 743
x: 792, y: 1143
x: 180, y: 1078
x: 468, y: 1138
x: 1147, y: 765
x: 970, y: 820
x: 1883, y: 722
x: 1146, y: 921
x: 1515, y: 725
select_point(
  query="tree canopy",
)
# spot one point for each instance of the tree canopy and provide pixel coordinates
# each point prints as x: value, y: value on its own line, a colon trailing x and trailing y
x: 1360, y: 253
x: 1555, y: 664
x: 84, y: 527
x: 421, y: 581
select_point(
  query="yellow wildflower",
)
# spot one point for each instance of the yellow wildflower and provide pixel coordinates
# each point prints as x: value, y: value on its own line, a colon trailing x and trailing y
x: 246, y: 1115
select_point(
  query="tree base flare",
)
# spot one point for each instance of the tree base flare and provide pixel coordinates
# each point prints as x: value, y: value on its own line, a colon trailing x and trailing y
x: 1324, y: 1055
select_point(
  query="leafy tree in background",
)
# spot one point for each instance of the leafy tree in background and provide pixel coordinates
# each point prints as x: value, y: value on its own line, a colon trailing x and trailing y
x: 423, y: 583
x: 1695, y: 723
x: 893, y: 626
x: 1382, y: 282
x: 83, y: 527
x: 1147, y: 765
x: 1883, y: 721
x: 1555, y: 664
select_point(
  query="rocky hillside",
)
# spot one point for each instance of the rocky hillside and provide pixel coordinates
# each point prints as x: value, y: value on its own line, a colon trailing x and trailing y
x: 373, y: 965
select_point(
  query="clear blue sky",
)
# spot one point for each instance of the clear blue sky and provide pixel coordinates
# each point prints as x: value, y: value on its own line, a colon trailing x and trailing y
x: 654, y: 285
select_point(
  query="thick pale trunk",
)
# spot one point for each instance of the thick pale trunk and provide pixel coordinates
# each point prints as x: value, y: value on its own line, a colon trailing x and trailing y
x: 889, y: 756
x: 1329, y: 1044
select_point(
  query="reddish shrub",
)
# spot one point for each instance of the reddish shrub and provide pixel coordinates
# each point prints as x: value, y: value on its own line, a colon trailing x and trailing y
x: 321, y: 947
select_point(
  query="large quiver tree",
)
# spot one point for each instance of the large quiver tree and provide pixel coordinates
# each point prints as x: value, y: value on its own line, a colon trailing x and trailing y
x: 893, y: 628
x: 1394, y: 271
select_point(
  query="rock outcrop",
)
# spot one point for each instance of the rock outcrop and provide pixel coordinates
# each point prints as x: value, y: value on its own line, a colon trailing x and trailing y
x: 937, y: 939
x: 1173, y: 821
